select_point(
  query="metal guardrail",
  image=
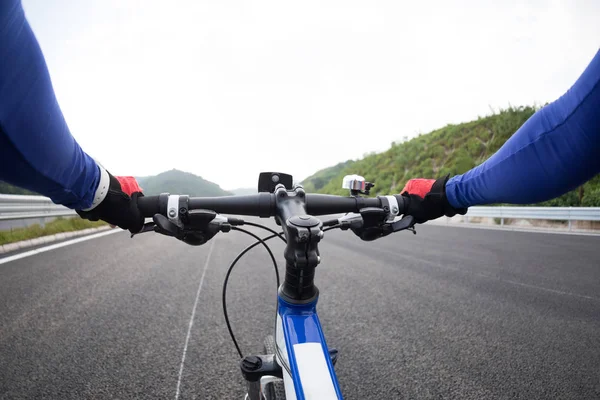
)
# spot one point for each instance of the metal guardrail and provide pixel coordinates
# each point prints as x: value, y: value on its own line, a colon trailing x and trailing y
x: 19, y: 207
x: 15, y: 207
x: 546, y: 213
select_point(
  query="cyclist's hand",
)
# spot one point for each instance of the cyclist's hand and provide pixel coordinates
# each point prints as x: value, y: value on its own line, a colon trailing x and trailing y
x: 119, y: 207
x: 427, y: 199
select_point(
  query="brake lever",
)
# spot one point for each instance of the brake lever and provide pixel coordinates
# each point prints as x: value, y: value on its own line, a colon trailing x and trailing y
x: 406, y: 223
x: 348, y: 221
x: 197, y: 227
x: 148, y: 227
x: 165, y: 226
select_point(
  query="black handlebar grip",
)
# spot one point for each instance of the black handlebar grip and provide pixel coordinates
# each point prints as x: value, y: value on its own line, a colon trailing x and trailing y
x: 149, y: 205
x: 402, y: 204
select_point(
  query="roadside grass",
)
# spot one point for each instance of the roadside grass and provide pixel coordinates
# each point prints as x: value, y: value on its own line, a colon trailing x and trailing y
x: 57, y: 226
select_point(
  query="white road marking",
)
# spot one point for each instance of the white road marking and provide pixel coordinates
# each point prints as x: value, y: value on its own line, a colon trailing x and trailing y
x: 510, y: 228
x: 56, y: 246
x: 542, y: 288
x: 189, y: 332
x: 438, y: 265
x: 483, y: 275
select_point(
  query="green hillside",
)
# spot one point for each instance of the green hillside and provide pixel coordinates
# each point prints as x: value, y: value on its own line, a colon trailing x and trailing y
x: 179, y: 182
x: 318, y: 180
x: 452, y: 150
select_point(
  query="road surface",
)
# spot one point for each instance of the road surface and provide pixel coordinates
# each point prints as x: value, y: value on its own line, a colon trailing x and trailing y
x: 449, y: 313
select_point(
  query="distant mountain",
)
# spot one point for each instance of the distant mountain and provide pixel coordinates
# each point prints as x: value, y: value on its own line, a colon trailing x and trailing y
x: 179, y: 182
x: 7, y: 188
x: 173, y: 181
x: 243, y: 191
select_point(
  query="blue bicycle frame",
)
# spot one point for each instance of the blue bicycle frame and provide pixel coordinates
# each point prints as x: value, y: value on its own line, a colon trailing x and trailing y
x: 303, y: 354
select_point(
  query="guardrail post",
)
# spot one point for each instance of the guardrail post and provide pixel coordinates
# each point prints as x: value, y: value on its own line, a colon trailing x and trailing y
x: 570, y: 216
x: 502, y: 221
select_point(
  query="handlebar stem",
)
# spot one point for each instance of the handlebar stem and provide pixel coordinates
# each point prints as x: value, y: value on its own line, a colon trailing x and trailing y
x: 303, y: 233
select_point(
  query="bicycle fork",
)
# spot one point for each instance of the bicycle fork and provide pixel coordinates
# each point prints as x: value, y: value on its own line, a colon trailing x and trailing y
x: 256, y: 371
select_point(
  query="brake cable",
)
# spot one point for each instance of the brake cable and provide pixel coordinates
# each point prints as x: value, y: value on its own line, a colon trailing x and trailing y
x: 267, y: 229
x: 232, y: 265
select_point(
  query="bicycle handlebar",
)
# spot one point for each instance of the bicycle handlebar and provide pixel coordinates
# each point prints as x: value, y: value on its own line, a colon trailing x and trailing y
x: 303, y: 233
x: 263, y: 204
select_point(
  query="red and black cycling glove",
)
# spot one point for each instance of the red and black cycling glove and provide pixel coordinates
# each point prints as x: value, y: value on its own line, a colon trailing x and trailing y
x: 116, y: 199
x: 427, y: 199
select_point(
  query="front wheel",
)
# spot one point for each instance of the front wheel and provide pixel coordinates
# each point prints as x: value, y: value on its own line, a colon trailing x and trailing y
x: 274, y: 390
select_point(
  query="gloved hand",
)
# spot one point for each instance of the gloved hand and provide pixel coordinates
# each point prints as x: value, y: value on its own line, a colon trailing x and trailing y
x: 116, y: 199
x: 427, y: 199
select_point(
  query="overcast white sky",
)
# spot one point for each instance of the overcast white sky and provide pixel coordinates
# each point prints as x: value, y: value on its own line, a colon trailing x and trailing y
x: 226, y: 89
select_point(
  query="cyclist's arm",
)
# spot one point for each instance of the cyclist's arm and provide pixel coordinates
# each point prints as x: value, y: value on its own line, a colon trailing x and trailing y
x: 37, y: 150
x: 555, y: 151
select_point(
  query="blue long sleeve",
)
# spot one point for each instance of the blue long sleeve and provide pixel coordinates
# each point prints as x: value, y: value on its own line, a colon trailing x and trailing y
x: 37, y: 150
x: 555, y: 151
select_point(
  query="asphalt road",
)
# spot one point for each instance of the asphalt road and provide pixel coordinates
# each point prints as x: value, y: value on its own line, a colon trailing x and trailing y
x: 450, y: 313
